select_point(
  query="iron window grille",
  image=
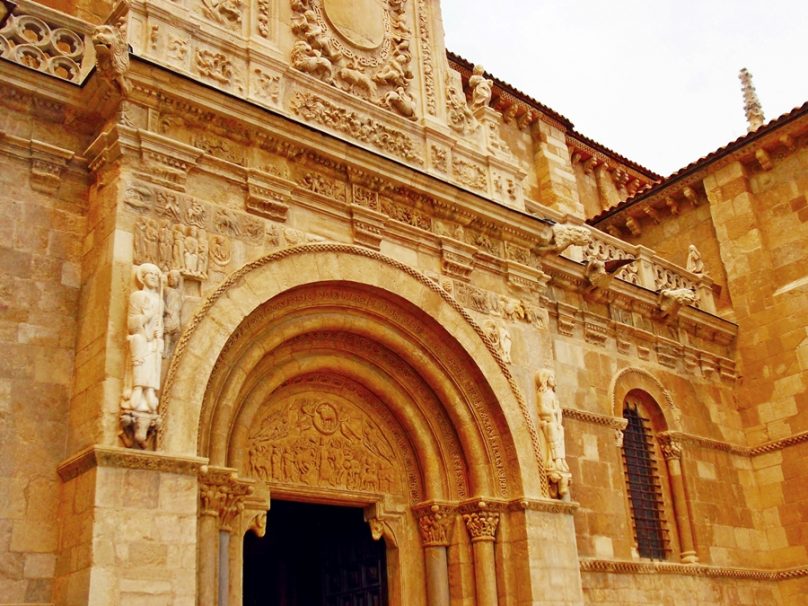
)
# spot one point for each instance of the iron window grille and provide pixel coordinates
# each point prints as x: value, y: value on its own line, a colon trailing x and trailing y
x: 644, y: 486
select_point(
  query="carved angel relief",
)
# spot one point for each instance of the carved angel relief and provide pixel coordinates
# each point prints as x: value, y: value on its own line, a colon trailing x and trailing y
x: 359, y: 46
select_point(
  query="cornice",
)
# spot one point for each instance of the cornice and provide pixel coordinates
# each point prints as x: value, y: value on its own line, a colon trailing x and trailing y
x: 694, y: 570
x: 126, y: 458
x: 595, y: 418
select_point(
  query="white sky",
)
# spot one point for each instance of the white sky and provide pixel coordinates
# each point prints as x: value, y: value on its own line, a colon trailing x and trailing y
x: 655, y: 80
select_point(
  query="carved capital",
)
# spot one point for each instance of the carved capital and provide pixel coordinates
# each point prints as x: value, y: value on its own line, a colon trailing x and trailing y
x: 435, y: 523
x: 481, y: 520
x: 222, y: 494
x: 670, y: 445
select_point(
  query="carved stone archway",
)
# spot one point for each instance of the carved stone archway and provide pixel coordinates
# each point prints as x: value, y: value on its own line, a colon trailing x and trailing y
x: 328, y: 344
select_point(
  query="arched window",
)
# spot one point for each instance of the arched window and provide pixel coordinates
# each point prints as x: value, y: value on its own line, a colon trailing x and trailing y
x: 643, y: 482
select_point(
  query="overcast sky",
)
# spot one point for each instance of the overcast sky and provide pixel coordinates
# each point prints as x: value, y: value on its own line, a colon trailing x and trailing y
x: 655, y: 80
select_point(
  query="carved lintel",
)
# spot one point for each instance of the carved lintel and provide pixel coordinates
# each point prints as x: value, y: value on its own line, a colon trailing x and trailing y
x: 435, y: 522
x: 457, y: 258
x: 222, y: 494
x: 367, y: 226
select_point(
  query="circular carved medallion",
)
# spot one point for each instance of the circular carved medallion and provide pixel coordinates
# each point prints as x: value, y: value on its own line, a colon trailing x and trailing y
x: 326, y: 419
x: 360, y: 22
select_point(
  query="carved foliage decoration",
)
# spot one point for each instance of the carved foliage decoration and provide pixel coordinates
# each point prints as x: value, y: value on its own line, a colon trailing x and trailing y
x: 322, y: 441
x: 226, y: 13
x: 359, y: 46
x: 314, y: 108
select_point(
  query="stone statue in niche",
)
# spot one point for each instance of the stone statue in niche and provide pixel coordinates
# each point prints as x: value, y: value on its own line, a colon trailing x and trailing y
x: 500, y: 338
x: 549, y: 411
x: 694, y: 263
x: 480, y: 89
x: 142, y: 379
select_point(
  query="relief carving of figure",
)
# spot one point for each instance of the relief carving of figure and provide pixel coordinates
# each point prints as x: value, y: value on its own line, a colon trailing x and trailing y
x: 549, y: 412
x: 145, y: 328
x: 400, y: 101
x: 353, y: 78
x: 172, y: 317
x: 310, y: 60
x: 480, y: 89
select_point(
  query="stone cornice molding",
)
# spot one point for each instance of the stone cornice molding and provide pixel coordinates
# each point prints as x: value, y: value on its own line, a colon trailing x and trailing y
x: 695, y: 570
x: 126, y: 458
x: 544, y: 505
x: 594, y: 418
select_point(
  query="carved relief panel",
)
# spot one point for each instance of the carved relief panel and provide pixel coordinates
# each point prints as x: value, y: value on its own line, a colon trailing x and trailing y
x: 362, y: 47
x: 317, y: 439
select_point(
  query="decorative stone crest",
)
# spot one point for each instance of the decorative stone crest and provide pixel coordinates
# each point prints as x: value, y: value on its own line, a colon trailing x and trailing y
x: 359, y: 46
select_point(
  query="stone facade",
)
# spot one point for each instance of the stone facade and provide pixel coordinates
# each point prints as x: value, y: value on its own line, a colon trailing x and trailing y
x: 296, y: 251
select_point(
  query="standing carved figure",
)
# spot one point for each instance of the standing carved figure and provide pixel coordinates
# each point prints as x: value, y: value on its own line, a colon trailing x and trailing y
x: 694, y: 262
x: 549, y: 411
x: 145, y: 328
x: 172, y: 318
x: 480, y: 89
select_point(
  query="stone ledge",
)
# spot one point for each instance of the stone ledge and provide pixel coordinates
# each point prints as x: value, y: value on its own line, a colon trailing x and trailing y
x: 696, y: 570
x: 106, y: 456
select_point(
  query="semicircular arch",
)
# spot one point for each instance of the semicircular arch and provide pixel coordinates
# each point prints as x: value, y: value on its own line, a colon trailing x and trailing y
x: 393, y: 305
x: 638, y: 379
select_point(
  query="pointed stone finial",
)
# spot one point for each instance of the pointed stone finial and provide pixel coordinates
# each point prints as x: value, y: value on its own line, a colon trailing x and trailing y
x: 751, y: 103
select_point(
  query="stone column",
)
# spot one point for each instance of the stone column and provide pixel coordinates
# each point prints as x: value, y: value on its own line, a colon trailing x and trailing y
x: 435, y: 524
x: 481, y: 523
x: 221, y: 495
x: 672, y: 452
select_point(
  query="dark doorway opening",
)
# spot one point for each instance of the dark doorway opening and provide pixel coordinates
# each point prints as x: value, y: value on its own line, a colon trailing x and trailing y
x: 314, y: 555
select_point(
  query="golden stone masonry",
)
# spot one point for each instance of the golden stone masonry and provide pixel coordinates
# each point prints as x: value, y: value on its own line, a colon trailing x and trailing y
x: 299, y: 308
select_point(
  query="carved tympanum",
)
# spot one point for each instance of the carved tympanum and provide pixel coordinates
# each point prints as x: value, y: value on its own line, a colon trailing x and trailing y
x: 323, y: 442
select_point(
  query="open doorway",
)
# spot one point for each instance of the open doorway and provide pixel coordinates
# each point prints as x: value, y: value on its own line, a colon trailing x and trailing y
x: 314, y: 555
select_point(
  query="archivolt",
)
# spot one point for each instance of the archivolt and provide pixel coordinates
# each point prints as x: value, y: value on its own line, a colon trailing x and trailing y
x: 209, y: 333
x: 632, y: 378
